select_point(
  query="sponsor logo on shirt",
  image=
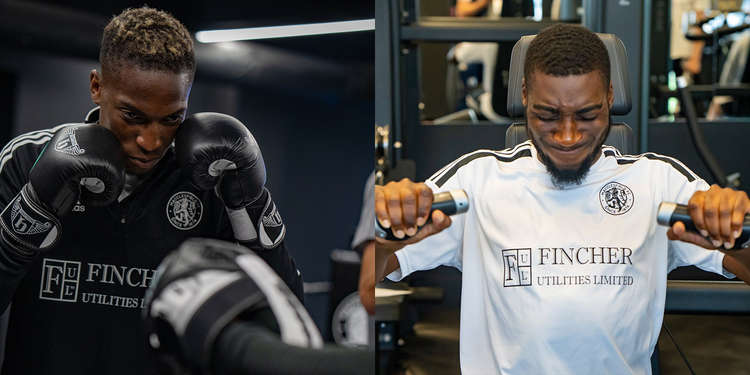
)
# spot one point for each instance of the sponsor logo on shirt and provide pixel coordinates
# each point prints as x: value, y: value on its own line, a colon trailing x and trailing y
x: 60, y: 280
x: 517, y: 265
x: 616, y: 198
x: 551, y: 263
x: 73, y: 281
x: 184, y: 210
x: 68, y: 144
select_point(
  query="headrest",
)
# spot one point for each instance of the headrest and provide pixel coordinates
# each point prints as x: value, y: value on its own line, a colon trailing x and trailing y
x: 618, y: 62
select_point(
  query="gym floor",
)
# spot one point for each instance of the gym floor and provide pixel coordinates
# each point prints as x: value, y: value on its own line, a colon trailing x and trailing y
x: 713, y: 344
x: 718, y: 344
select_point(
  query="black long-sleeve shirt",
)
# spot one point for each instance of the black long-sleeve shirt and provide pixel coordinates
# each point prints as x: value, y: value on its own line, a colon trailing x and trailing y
x: 76, y: 309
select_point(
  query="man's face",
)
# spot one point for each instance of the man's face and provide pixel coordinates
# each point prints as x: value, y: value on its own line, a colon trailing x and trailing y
x: 568, y: 121
x: 143, y: 108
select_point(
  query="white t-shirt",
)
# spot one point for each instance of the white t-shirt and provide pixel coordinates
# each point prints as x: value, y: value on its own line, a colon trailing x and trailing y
x: 560, y: 281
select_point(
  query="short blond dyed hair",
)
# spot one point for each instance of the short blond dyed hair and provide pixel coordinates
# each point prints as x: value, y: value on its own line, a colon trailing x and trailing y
x: 148, y: 38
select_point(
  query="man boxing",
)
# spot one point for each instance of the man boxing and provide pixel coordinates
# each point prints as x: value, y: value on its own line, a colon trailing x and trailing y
x: 91, y: 209
x: 563, y: 264
x: 216, y: 308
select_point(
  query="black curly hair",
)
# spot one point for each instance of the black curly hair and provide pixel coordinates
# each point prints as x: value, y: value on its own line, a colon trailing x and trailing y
x: 563, y: 49
x: 149, y: 39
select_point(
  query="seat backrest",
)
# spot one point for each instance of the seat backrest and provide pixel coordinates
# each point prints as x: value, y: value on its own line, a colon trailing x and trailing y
x: 620, y: 135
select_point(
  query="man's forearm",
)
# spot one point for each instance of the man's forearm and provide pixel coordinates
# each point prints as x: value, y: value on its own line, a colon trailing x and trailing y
x: 738, y: 263
x: 367, y: 278
x: 385, y: 260
x: 247, y: 347
x: 259, y: 227
x: 282, y: 262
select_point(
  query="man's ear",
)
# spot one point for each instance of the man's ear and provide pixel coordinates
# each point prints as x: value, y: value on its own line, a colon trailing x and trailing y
x: 523, y: 91
x: 95, y: 86
x: 611, y: 95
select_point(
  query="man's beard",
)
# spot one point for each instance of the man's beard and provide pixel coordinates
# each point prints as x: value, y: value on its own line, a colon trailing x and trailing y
x: 563, y: 178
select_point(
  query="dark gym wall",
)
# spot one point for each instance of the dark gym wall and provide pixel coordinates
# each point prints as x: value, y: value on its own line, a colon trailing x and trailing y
x: 316, y: 146
x: 52, y: 90
x: 318, y: 156
x: 49, y: 90
x: 8, y: 82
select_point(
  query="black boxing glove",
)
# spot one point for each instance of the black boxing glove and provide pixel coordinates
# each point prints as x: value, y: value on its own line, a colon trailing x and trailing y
x: 217, y: 151
x: 81, y: 163
x: 201, y: 288
x: 211, y: 147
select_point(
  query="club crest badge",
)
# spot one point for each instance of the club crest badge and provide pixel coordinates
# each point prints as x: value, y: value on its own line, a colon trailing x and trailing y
x: 68, y: 144
x: 184, y: 210
x: 616, y: 198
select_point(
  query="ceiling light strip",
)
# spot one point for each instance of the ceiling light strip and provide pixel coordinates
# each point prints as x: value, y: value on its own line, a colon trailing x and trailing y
x: 252, y: 33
